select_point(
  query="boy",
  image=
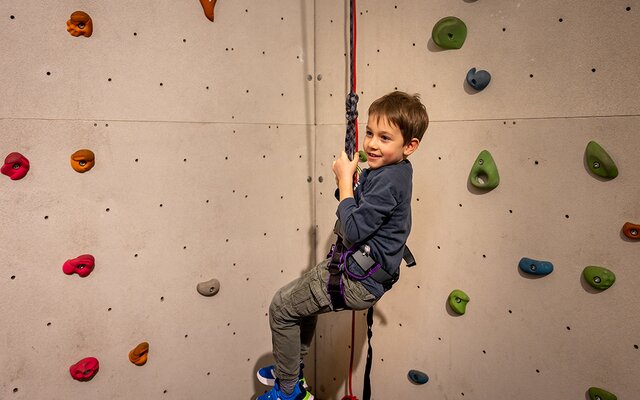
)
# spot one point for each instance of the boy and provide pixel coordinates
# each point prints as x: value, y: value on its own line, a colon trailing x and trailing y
x: 374, y: 221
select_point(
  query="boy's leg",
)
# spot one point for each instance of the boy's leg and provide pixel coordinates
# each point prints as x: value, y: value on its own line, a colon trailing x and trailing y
x: 307, y: 331
x: 292, y: 317
x: 356, y: 296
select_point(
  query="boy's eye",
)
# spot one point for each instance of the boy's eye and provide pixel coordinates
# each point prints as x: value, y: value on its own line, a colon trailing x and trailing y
x: 369, y: 133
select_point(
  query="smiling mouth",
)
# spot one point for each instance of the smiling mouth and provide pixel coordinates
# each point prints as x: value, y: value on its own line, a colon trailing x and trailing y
x: 373, y: 155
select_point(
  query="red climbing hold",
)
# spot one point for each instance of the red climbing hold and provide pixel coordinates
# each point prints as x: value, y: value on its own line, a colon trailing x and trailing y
x: 632, y: 231
x: 85, y: 369
x: 81, y: 265
x: 15, y: 166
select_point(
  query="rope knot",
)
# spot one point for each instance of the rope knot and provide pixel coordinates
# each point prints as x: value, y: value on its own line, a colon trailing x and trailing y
x: 352, y: 107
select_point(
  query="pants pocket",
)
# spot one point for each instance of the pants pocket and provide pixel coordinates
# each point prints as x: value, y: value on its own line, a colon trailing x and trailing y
x: 308, y: 297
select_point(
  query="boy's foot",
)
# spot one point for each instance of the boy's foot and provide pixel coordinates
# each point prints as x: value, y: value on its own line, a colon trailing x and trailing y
x: 299, y: 393
x: 267, y: 377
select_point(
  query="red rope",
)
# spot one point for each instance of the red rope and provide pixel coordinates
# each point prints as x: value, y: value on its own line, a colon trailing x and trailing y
x: 353, y: 58
x: 350, y: 396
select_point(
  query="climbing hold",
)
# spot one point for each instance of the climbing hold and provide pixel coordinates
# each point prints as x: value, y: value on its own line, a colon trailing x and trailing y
x: 458, y: 301
x: 83, y: 160
x: 478, y: 79
x: 81, y: 265
x: 207, y: 6
x: 85, y: 369
x: 362, y: 156
x: 417, y: 377
x: 15, y: 166
x: 449, y: 33
x: 632, y: 231
x: 139, y: 354
x: 599, y: 161
x: 599, y: 277
x: 80, y: 24
x: 484, y: 173
x: 601, y: 394
x: 208, y: 288
x: 535, y: 267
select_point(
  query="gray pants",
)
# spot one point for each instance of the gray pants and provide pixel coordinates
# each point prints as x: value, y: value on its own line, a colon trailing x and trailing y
x: 294, y: 312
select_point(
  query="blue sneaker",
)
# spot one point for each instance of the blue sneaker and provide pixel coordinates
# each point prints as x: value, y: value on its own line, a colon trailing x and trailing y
x: 267, y: 377
x: 299, y: 393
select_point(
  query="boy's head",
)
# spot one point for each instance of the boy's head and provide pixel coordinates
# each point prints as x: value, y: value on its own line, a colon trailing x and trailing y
x: 404, y: 111
x: 395, y: 127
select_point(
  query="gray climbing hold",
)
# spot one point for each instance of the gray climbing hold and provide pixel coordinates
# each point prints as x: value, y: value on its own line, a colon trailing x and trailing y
x: 209, y: 288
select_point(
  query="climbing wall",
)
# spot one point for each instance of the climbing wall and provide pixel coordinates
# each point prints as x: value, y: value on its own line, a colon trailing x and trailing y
x: 563, y: 73
x: 213, y: 143
x: 203, y: 140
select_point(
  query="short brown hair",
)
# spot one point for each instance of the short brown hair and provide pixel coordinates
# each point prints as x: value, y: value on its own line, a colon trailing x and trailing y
x: 403, y: 110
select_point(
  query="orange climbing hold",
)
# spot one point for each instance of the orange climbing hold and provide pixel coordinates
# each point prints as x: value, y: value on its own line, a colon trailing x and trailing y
x: 632, y: 231
x: 80, y: 24
x: 139, y: 355
x: 83, y: 160
x: 207, y: 6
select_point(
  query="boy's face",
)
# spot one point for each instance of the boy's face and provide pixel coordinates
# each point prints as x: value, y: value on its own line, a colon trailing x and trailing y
x: 384, y: 143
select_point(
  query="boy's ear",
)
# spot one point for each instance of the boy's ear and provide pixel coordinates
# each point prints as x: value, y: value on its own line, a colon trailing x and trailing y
x: 410, y: 147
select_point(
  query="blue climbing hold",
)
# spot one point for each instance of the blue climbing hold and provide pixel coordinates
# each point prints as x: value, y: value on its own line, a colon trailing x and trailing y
x: 478, y: 79
x: 535, y: 267
x: 417, y: 377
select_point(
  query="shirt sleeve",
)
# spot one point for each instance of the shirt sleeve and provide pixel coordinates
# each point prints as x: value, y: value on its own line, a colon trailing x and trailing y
x: 360, y: 221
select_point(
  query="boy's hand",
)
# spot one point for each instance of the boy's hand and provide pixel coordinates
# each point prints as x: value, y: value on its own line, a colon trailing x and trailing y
x: 344, y: 169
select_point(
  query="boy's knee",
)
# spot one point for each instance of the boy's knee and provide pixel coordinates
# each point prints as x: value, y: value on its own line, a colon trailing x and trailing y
x: 276, y: 304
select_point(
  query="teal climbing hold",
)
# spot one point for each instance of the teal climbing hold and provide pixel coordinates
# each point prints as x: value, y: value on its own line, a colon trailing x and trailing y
x: 449, y: 33
x: 599, y: 277
x: 417, y: 377
x: 601, y: 394
x: 484, y: 173
x: 599, y: 161
x: 535, y: 267
x: 478, y: 79
x: 458, y: 301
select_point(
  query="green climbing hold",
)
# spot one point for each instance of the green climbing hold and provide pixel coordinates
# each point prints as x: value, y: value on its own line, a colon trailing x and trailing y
x: 599, y: 161
x: 484, y: 174
x: 599, y: 277
x: 449, y: 33
x: 601, y: 394
x: 458, y: 301
x: 362, y: 155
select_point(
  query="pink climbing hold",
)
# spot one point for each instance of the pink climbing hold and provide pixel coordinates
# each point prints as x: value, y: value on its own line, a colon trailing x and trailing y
x: 81, y: 265
x: 85, y: 369
x: 15, y: 166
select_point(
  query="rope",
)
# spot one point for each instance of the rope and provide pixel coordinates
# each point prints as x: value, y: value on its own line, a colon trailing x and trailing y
x: 351, y: 138
x: 350, y: 147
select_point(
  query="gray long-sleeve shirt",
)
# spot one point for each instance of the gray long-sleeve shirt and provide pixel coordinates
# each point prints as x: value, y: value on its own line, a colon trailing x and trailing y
x: 380, y: 217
